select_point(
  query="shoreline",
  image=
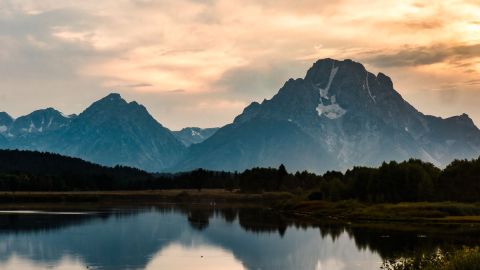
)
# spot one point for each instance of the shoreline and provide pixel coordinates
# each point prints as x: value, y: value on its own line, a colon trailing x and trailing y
x: 134, y: 196
x: 283, y: 202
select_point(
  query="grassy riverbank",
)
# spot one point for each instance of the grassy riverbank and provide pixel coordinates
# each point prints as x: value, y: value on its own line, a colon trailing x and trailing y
x: 408, y: 211
x: 351, y: 210
x: 46, y: 200
x: 460, y: 259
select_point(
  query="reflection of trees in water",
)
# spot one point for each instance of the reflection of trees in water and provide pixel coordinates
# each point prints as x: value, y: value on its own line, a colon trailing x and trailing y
x: 334, y: 230
x: 257, y: 220
x: 261, y: 221
x: 229, y: 214
x: 36, y: 222
x: 199, y: 218
x: 390, y: 240
x: 51, y: 221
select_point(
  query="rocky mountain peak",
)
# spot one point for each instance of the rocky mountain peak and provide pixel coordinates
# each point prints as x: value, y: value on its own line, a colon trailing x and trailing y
x: 113, y: 106
x: 330, y: 90
x: 113, y: 131
x: 322, y: 69
x: 113, y: 99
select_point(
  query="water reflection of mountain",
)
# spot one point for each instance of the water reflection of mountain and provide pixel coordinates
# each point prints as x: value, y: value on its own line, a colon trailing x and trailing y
x: 259, y: 238
x: 113, y: 242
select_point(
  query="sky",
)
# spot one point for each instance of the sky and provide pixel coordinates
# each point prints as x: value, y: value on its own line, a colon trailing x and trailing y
x: 200, y: 62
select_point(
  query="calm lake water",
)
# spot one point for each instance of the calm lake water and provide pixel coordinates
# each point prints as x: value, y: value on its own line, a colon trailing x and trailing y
x: 192, y: 237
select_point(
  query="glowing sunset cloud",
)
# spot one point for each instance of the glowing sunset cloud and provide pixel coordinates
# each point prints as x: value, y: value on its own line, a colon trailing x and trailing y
x: 199, y: 62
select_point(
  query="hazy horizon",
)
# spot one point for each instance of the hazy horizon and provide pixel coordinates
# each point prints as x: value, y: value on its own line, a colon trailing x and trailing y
x: 199, y: 63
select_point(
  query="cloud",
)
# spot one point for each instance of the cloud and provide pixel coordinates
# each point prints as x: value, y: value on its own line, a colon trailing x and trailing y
x: 177, y: 109
x: 427, y: 55
x: 423, y: 24
x: 257, y: 81
x: 451, y: 101
x: 139, y: 85
x: 175, y: 55
x: 473, y: 82
x: 32, y: 50
x: 176, y: 91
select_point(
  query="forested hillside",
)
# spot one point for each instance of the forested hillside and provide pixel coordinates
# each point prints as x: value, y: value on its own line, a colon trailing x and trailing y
x: 411, y: 180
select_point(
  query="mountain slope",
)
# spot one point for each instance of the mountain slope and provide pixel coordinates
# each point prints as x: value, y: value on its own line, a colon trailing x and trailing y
x: 5, y: 121
x: 257, y: 143
x: 338, y: 116
x: 193, y: 135
x: 112, y: 131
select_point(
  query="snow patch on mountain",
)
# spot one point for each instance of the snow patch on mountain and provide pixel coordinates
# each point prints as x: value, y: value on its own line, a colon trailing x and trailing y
x: 331, y: 111
x: 328, y: 106
x: 195, y: 133
x: 324, y: 91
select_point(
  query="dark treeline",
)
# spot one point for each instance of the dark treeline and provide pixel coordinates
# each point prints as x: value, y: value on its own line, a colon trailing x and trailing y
x: 36, y: 171
x: 412, y: 180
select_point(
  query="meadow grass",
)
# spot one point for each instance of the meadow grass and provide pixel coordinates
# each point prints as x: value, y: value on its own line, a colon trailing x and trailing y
x: 461, y: 259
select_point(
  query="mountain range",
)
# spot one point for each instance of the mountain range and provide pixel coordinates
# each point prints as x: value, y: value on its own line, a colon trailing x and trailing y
x: 109, y: 132
x: 337, y: 116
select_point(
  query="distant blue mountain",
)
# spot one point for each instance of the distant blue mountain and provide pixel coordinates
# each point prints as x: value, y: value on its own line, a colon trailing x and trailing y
x: 40, y: 121
x: 109, y: 132
x: 33, y: 130
x: 194, y: 135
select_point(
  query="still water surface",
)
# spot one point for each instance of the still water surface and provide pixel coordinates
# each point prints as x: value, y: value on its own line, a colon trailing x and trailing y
x: 172, y: 237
